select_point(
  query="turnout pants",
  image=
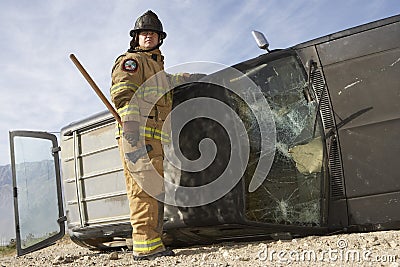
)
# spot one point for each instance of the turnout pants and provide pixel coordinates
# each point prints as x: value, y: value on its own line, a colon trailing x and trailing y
x: 144, y: 181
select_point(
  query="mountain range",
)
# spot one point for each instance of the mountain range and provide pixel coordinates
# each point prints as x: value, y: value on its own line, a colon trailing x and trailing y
x: 36, y: 199
x: 7, y: 230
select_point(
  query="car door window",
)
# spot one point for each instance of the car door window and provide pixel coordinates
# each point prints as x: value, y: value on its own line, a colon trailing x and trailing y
x: 38, y: 205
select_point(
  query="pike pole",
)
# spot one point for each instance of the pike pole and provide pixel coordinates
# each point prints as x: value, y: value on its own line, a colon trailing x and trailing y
x: 95, y: 88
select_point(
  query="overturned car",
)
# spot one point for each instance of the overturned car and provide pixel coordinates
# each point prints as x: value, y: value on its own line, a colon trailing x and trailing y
x: 321, y: 120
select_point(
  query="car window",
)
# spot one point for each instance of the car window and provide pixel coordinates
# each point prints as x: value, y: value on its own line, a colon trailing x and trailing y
x: 292, y: 191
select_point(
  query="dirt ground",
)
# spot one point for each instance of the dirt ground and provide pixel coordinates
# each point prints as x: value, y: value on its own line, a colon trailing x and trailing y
x: 361, y: 249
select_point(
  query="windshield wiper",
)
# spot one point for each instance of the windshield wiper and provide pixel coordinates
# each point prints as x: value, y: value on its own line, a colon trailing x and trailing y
x: 342, y: 123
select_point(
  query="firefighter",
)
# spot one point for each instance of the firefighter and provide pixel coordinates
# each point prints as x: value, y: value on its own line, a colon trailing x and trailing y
x: 143, y: 117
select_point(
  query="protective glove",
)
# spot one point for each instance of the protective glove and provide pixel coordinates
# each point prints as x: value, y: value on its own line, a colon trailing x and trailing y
x: 131, y: 132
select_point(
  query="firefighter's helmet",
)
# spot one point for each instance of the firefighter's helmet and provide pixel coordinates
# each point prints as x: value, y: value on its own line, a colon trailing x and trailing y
x: 148, y: 22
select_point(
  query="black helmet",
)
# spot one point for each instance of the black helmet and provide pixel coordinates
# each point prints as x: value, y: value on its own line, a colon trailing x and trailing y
x: 148, y: 22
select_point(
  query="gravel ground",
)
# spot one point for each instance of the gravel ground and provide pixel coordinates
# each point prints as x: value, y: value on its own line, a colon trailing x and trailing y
x: 362, y: 249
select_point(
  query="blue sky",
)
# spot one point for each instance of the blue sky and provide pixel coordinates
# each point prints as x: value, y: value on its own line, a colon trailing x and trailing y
x: 42, y: 90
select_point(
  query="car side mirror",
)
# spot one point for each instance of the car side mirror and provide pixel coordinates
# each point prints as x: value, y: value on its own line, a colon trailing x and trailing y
x: 261, y: 41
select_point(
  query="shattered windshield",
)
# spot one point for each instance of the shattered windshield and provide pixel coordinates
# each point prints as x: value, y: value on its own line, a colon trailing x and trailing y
x: 291, y: 193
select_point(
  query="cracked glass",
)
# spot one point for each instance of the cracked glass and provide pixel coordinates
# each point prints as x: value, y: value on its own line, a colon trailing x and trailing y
x: 292, y: 192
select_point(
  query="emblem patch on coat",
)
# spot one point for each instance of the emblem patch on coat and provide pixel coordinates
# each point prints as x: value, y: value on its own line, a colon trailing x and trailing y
x: 130, y: 65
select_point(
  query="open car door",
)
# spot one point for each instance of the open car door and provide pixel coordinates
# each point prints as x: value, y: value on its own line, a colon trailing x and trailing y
x: 38, y: 205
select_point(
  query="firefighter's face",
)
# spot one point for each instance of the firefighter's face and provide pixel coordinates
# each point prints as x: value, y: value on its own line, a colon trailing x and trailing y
x: 148, y: 39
